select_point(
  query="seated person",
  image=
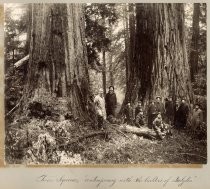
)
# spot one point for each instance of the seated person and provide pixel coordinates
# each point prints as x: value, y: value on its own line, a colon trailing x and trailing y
x: 160, y: 127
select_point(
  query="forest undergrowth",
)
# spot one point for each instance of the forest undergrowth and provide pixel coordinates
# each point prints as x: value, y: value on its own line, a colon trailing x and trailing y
x: 37, y: 141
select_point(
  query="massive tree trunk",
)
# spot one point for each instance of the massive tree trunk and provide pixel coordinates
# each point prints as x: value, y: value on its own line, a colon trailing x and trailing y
x: 126, y: 38
x: 160, y: 57
x: 131, y: 37
x: 111, y: 72
x: 194, y: 42
x: 28, y: 39
x: 58, y: 58
x: 104, y: 62
x: 104, y: 71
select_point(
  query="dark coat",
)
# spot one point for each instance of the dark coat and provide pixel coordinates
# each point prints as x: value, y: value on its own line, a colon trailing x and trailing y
x: 140, y: 119
x: 137, y: 110
x: 170, y: 111
x: 184, y: 109
x: 181, y: 115
x: 111, y: 103
x: 128, y: 112
x: 160, y: 107
x: 169, y: 107
x: 151, y: 115
x: 152, y: 109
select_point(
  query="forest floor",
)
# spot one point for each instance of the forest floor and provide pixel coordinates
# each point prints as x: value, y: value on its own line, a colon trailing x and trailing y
x: 180, y: 148
x: 37, y: 141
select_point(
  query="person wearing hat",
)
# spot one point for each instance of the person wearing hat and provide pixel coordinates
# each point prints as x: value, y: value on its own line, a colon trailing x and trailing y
x: 182, y: 115
x: 100, y: 108
x: 197, y: 117
x: 151, y: 114
x: 158, y: 125
x: 111, y: 102
x: 159, y: 106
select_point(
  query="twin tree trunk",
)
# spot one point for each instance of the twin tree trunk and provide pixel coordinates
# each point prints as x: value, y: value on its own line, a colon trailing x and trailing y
x: 58, y: 58
x: 160, y: 58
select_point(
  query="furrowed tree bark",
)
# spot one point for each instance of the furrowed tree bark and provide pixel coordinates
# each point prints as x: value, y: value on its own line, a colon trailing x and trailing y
x: 110, y: 61
x: 104, y: 72
x: 160, y: 57
x: 104, y: 63
x: 58, y: 58
x: 28, y: 39
x: 195, y: 40
x: 131, y: 37
x: 111, y: 73
x: 126, y: 40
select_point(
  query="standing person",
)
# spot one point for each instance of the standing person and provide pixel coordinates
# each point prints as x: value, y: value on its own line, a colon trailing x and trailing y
x: 140, y: 119
x: 182, y: 115
x: 185, y: 111
x: 197, y: 117
x: 128, y: 112
x: 177, y: 114
x: 159, y: 106
x: 138, y: 108
x: 111, y: 102
x: 100, y: 108
x: 151, y: 114
x: 169, y: 107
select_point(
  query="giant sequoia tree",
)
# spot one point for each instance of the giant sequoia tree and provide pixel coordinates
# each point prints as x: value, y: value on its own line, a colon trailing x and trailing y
x: 58, y: 59
x: 160, y: 58
x: 195, y: 41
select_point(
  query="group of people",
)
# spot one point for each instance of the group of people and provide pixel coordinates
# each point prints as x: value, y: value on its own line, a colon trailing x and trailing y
x: 159, y: 114
x: 134, y: 115
x: 105, y: 107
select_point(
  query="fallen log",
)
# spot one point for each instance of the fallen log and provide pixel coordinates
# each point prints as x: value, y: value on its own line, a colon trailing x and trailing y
x: 21, y: 62
x: 145, y: 132
x: 119, y: 131
x: 13, y: 109
x: 79, y: 139
x: 115, y: 127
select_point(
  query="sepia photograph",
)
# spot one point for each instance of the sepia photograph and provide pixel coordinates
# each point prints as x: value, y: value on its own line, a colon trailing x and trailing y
x: 105, y: 83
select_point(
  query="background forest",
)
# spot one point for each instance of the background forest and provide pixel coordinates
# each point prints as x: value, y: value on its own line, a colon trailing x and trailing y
x: 139, y: 49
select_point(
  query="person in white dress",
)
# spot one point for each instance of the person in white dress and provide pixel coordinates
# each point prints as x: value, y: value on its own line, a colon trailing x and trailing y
x: 99, y: 102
